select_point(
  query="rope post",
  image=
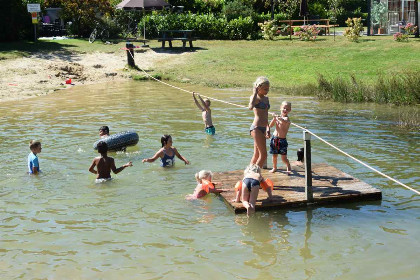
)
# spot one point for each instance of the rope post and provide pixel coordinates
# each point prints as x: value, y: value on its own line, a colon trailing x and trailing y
x: 308, y: 168
x: 130, y: 54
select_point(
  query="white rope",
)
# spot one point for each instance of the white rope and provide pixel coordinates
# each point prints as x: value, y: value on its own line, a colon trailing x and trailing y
x: 273, y: 114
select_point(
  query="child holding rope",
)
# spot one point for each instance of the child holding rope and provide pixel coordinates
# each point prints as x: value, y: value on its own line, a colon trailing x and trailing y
x: 278, y: 143
x: 206, y: 113
x: 260, y: 129
x: 167, y: 153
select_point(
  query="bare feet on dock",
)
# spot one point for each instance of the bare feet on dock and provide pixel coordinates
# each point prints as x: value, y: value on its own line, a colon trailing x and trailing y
x: 273, y: 170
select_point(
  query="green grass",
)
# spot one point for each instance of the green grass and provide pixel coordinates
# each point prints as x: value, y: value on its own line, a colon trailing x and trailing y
x: 291, y: 65
x: 295, y: 63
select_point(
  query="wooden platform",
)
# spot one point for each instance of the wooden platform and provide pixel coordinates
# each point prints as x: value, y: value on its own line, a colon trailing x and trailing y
x: 330, y: 185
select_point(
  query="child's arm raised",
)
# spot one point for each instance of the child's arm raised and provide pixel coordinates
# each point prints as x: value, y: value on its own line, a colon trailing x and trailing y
x: 155, y: 157
x: 196, y: 102
x: 181, y: 157
x: 203, y: 103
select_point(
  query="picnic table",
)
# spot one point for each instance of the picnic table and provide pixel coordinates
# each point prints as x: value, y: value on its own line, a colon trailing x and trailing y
x: 171, y: 35
x: 320, y: 23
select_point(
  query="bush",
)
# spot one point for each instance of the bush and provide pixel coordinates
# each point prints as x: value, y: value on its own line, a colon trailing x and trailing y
x: 355, y: 27
x: 206, y: 26
x: 269, y: 29
x: 306, y: 32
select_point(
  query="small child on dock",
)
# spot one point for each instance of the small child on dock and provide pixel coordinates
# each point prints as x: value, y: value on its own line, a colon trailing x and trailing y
x: 167, y: 153
x: 247, y: 190
x: 204, y: 185
x: 104, y: 164
x: 33, y: 161
x: 206, y: 113
x: 278, y: 143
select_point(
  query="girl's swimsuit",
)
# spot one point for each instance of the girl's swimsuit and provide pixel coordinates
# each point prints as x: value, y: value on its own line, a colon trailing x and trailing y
x: 260, y: 105
x: 250, y: 183
x: 167, y: 160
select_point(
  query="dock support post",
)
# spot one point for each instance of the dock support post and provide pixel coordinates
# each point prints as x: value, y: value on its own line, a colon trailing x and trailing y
x: 130, y: 54
x: 308, y: 169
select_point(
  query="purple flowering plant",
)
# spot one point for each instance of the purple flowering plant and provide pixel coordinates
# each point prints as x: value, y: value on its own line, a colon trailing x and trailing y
x: 306, y: 32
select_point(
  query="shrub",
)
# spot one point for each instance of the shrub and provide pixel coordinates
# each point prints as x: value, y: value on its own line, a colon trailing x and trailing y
x: 269, y: 29
x: 206, y: 26
x: 355, y: 27
x: 400, y: 37
x: 306, y: 32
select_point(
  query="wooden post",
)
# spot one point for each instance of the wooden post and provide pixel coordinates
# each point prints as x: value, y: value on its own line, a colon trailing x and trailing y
x: 130, y: 54
x: 308, y: 169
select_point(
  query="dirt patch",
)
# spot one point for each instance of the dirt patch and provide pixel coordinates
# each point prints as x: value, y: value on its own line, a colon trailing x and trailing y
x: 42, y: 74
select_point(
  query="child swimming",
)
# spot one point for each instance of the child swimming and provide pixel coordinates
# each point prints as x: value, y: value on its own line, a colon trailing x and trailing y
x: 206, y: 114
x: 204, y: 185
x: 104, y: 164
x: 104, y: 131
x: 33, y: 162
x: 167, y: 153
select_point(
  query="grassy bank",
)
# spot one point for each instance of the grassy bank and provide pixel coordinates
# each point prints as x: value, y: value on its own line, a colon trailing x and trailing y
x: 293, y: 66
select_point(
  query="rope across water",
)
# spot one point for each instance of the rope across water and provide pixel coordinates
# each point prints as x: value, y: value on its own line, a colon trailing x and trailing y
x: 296, y: 125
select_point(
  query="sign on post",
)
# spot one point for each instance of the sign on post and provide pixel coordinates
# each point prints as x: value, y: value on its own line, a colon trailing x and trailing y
x: 34, y: 18
x: 33, y: 8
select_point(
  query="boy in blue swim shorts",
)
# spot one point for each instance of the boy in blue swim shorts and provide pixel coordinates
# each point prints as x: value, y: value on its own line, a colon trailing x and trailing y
x: 278, y: 143
x: 206, y: 113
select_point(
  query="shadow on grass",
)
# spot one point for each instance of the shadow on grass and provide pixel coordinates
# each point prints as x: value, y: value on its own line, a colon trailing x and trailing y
x: 30, y: 48
x: 176, y: 50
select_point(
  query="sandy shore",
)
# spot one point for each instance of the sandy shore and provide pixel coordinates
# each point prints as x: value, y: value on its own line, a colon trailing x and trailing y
x: 44, y: 73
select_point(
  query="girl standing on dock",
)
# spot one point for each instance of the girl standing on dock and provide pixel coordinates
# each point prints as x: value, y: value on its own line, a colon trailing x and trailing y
x: 260, y: 129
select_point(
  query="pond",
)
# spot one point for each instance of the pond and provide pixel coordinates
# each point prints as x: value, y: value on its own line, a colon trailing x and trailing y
x: 61, y: 225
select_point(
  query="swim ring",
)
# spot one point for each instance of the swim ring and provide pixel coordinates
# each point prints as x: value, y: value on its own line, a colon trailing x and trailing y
x: 120, y: 140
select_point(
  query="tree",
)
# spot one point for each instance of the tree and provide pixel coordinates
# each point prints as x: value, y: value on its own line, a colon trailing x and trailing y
x: 81, y: 13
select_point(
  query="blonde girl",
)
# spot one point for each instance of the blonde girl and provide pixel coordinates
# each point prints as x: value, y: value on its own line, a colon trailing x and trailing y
x: 260, y: 130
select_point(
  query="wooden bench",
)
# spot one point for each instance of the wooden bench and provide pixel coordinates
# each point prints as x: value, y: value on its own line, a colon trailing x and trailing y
x: 171, y: 35
x: 294, y: 23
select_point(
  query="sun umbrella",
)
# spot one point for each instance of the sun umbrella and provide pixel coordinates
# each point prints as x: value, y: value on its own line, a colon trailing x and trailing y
x: 142, y: 5
x: 303, y: 12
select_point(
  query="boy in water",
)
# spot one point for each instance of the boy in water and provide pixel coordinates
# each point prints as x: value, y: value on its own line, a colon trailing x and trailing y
x: 104, y: 131
x: 278, y: 143
x: 206, y: 113
x: 33, y: 162
x: 104, y: 164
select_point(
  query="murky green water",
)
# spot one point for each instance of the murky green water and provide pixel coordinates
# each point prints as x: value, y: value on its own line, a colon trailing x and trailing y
x: 60, y: 225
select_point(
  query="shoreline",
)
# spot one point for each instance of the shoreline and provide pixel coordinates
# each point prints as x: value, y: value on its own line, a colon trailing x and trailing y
x: 44, y: 73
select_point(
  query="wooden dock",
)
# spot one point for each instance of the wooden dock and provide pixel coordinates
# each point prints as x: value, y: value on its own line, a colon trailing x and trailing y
x: 329, y: 185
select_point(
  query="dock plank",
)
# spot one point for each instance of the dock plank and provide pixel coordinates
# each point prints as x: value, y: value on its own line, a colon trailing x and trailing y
x: 330, y: 185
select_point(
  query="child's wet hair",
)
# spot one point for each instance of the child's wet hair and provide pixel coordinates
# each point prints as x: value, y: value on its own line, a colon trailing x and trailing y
x: 252, y: 168
x: 207, y: 101
x: 104, y: 129
x: 33, y: 144
x: 102, y: 147
x: 164, y: 139
x: 203, y: 174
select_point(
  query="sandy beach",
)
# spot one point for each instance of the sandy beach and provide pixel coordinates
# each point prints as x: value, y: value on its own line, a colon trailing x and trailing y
x: 45, y: 73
